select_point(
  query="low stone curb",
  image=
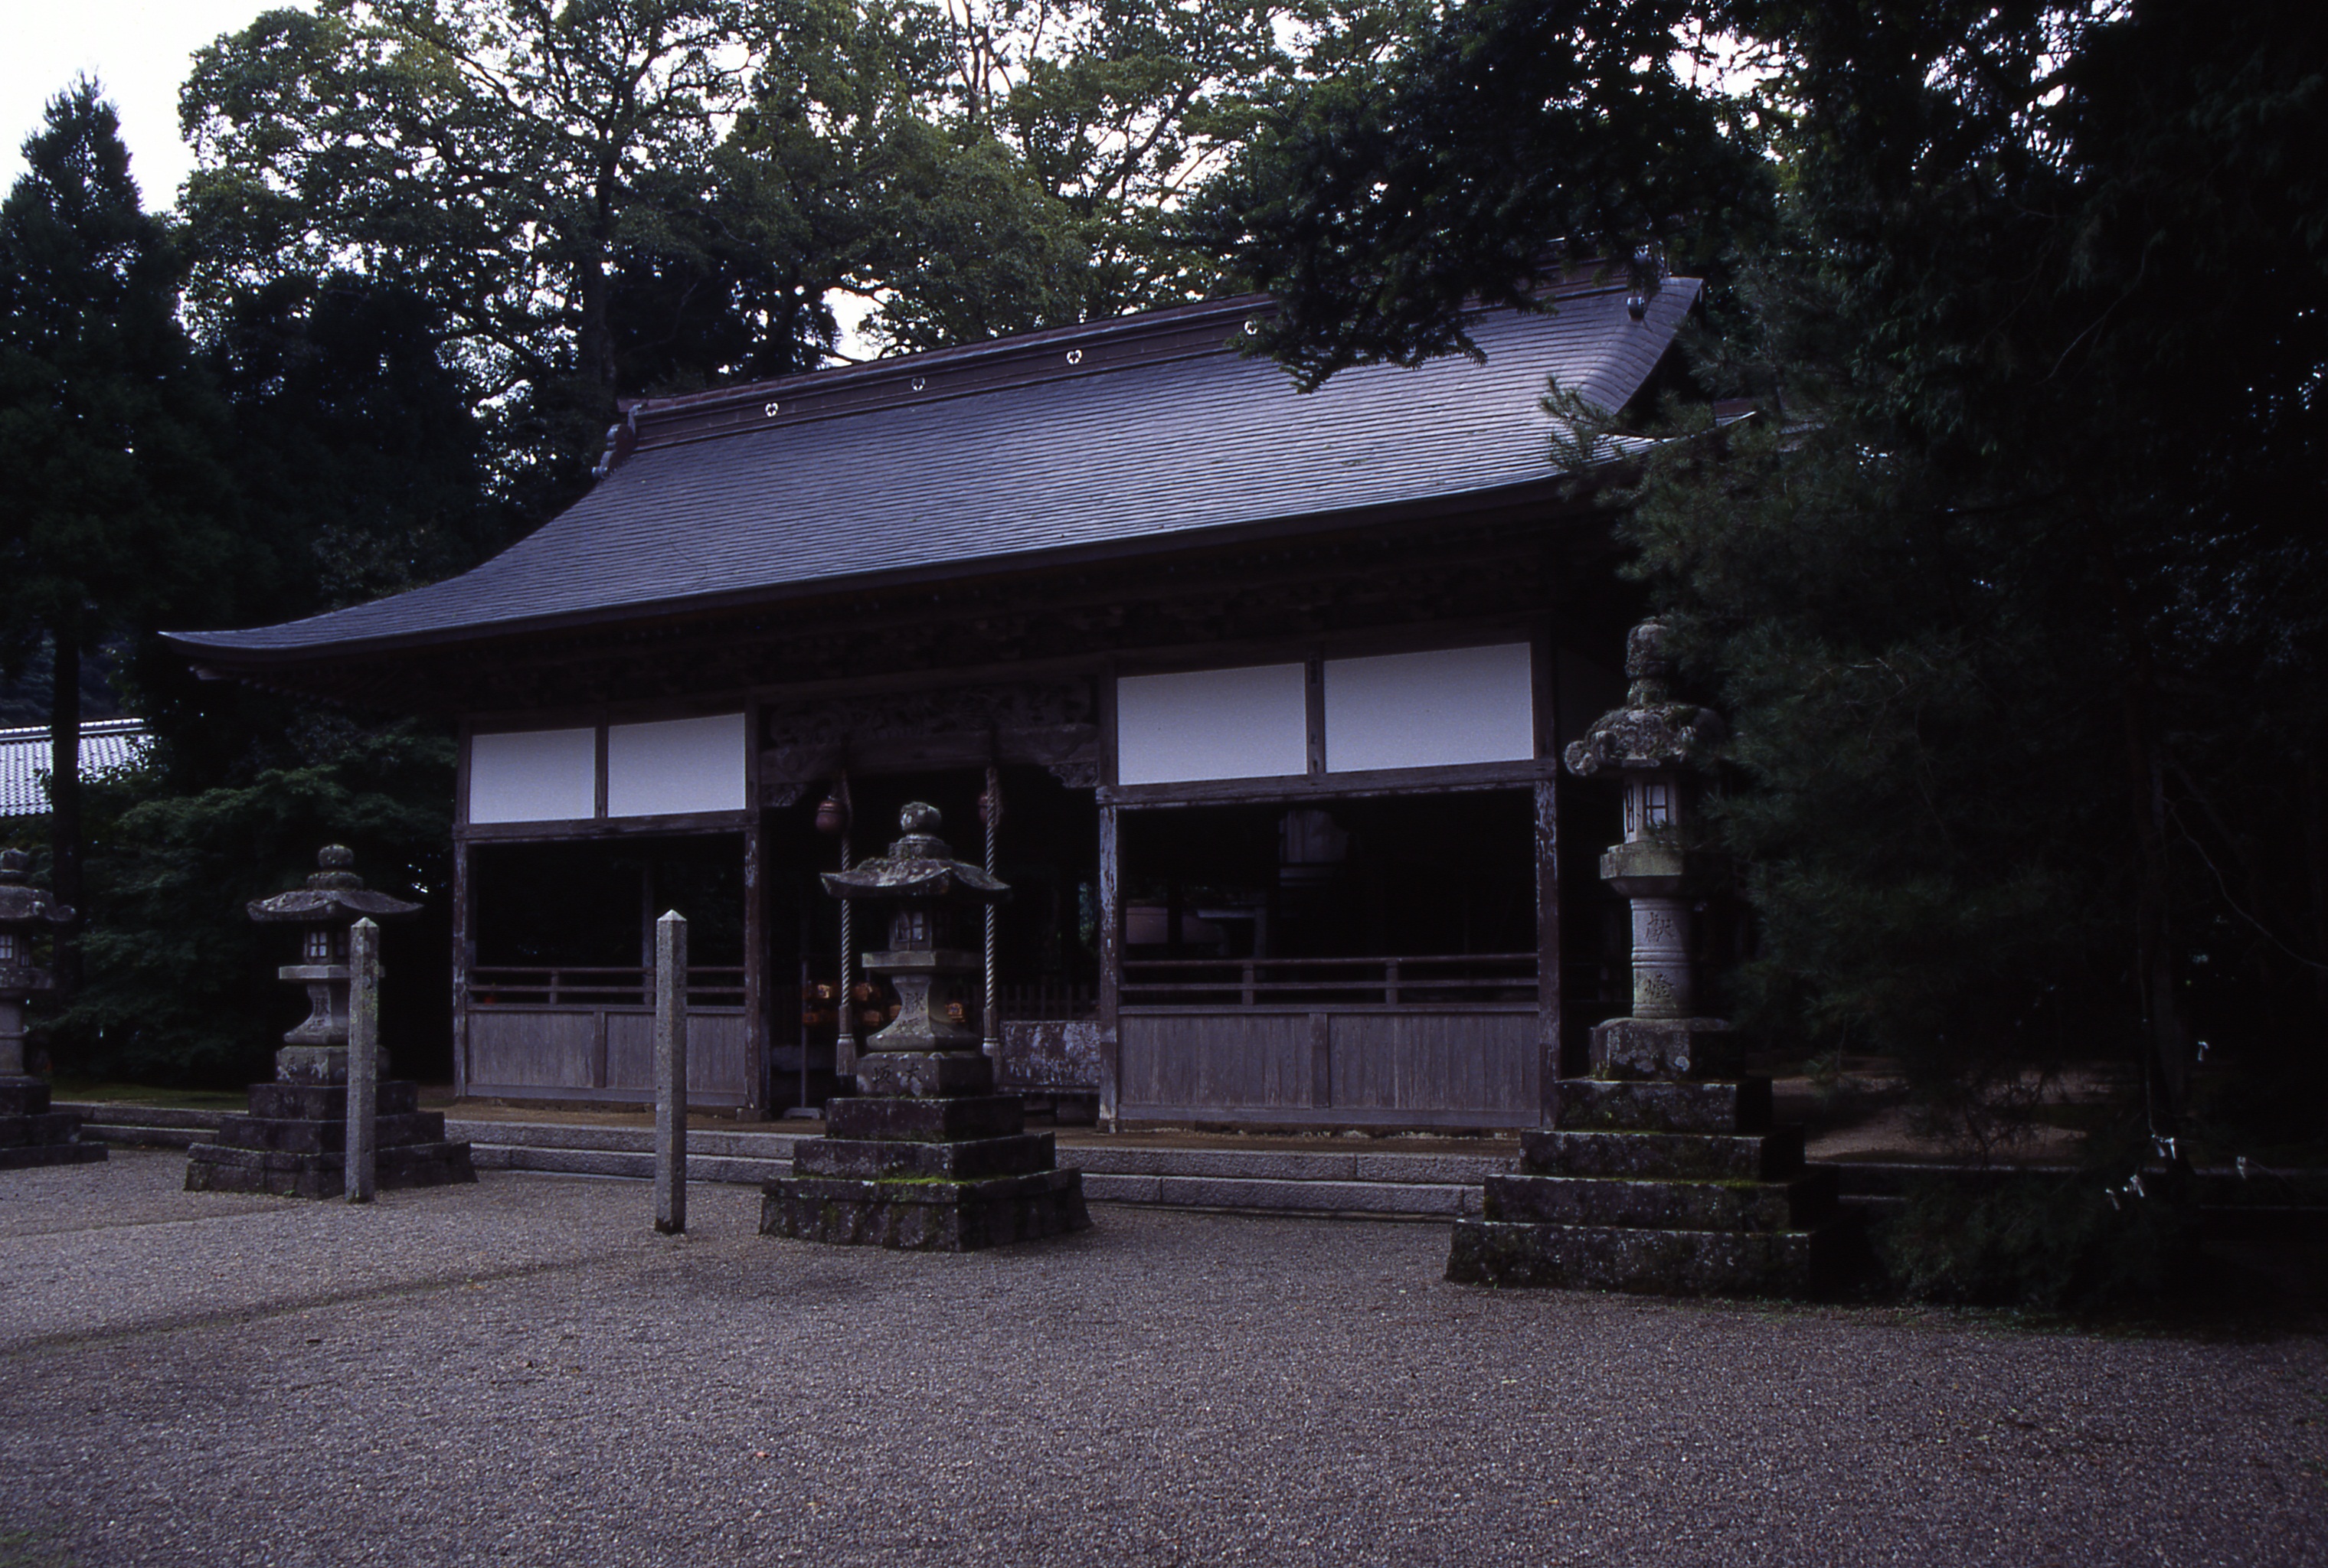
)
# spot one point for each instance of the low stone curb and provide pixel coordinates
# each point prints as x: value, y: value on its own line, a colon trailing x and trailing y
x: 1259, y: 1181
x: 143, y: 1126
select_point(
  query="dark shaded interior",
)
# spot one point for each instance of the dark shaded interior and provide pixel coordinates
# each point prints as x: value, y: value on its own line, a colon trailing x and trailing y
x: 1353, y: 878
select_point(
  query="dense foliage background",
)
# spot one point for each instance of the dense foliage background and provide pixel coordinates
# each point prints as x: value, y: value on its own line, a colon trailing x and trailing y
x: 2014, y: 585
x: 2013, y: 582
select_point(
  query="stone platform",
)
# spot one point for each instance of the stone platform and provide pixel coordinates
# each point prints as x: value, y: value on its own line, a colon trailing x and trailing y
x: 293, y: 1143
x: 1656, y: 1187
x: 32, y: 1135
x: 951, y: 1174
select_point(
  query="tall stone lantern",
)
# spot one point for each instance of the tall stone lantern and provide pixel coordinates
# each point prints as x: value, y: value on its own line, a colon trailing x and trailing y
x: 1651, y: 744
x: 294, y: 1142
x: 1663, y: 1171
x: 926, y: 1156
x: 30, y: 1132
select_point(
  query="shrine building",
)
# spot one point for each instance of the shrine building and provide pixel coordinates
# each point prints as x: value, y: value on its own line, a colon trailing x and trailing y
x: 1269, y: 689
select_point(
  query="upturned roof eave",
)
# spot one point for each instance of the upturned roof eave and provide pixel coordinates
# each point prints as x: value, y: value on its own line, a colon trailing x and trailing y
x: 227, y: 656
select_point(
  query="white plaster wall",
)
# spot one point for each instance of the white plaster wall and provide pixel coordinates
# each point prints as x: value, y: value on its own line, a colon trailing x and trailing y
x: 1435, y: 709
x: 1212, y: 724
x: 534, y: 776
x: 675, y: 765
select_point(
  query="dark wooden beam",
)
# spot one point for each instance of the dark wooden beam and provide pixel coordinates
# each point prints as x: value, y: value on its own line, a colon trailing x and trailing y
x: 1111, y: 966
x: 693, y: 823
x: 1547, y: 943
x: 1406, y: 780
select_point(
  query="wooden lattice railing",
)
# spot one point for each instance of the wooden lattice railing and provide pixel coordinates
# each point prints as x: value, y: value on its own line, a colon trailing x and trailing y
x: 1421, y: 981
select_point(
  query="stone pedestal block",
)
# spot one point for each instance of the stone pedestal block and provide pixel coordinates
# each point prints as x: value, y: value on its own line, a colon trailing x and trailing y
x: 1657, y: 1187
x: 922, y: 1074
x: 1671, y: 1048
x: 926, y: 1174
x: 926, y: 1216
x: 1660, y: 1263
x: 293, y: 1143
x: 32, y: 1135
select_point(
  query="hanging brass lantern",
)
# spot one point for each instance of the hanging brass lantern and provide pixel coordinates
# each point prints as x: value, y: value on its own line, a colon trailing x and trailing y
x: 832, y: 815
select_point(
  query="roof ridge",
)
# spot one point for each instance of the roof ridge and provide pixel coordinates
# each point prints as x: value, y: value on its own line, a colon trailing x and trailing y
x: 88, y: 727
x: 1048, y: 354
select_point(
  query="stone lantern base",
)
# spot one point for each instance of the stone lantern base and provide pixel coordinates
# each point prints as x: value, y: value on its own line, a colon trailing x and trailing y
x: 293, y: 1143
x: 32, y: 1135
x: 1659, y: 1185
x: 954, y: 1170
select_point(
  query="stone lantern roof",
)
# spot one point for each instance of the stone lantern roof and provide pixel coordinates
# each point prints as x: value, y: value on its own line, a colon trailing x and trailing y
x: 1652, y: 731
x: 334, y: 895
x: 919, y: 865
x: 21, y: 902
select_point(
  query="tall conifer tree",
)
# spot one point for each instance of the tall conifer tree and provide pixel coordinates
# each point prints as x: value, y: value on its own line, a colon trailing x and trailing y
x: 109, y: 517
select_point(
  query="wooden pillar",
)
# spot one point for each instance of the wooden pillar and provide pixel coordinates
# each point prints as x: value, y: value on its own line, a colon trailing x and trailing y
x: 844, y: 1044
x: 646, y: 927
x: 463, y: 955
x: 759, y: 1077
x: 1548, y: 945
x: 1111, y: 967
x: 991, y: 810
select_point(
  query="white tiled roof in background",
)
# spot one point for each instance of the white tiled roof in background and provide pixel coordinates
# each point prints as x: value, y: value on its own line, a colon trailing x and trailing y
x: 106, y: 745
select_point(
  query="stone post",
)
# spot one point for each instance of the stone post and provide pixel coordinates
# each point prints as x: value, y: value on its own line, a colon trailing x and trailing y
x: 670, y: 1074
x: 363, y: 1058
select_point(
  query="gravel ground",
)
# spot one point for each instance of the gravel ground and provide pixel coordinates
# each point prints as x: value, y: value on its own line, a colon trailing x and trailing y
x: 521, y: 1372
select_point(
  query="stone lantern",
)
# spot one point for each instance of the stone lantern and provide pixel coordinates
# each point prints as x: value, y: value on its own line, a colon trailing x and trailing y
x: 335, y: 900
x: 1650, y: 742
x: 1660, y: 1172
x: 25, y: 912
x: 294, y: 1142
x: 930, y: 1047
x: 925, y: 1156
x: 30, y: 1132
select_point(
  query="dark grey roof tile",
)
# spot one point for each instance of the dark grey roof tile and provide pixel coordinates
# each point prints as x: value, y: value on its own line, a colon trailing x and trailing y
x: 1169, y: 446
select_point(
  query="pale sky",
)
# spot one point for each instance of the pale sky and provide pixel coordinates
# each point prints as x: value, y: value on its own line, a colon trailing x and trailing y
x: 140, y: 52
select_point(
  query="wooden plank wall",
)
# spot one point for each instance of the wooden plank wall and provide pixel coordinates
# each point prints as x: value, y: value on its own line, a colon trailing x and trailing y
x: 603, y: 1054
x: 1453, y: 1069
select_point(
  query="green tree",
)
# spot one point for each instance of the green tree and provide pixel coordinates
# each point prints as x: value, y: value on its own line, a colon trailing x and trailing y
x: 181, y: 984
x: 1510, y: 140
x: 1072, y: 138
x: 115, y: 518
x: 359, y: 466
x: 2016, y: 590
x: 516, y: 163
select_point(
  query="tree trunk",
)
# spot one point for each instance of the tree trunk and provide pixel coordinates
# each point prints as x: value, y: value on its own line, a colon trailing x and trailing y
x: 2168, y: 1067
x: 64, y: 801
x: 594, y: 343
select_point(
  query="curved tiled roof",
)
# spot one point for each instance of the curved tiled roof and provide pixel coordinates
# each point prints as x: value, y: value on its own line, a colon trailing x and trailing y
x: 107, y: 746
x: 1106, y: 438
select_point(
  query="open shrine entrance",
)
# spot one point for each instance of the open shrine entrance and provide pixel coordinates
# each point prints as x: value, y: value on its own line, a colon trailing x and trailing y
x: 1363, y: 961
x: 559, y: 1002
x: 1047, y: 933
